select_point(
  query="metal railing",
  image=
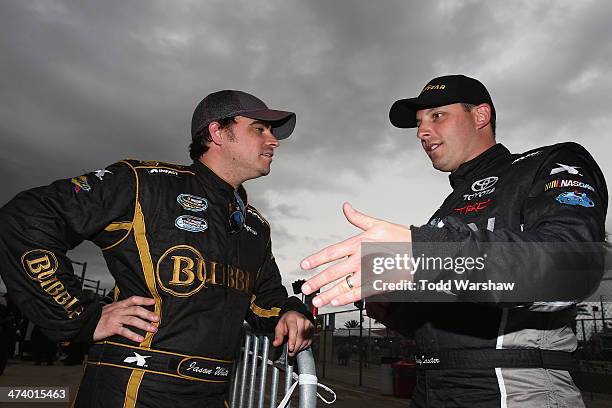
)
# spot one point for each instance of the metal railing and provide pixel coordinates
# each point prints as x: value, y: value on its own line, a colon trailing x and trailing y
x: 257, y: 367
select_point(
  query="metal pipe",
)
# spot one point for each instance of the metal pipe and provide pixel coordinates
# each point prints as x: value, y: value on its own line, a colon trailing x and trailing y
x: 247, y: 348
x: 263, y: 372
x: 234, y: 389
x: 307, y: 389
x: 288, y: 373
x: 324, y: 338
x: 603, y: 313
x: 307, y: 392
x: 83, y: 274
x: 253, y: 372
x: 274, y: 387
x: 360, y: 345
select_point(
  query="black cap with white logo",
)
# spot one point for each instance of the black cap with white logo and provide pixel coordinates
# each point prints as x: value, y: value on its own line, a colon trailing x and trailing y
x: 229, y: 103
x: 444, y: 90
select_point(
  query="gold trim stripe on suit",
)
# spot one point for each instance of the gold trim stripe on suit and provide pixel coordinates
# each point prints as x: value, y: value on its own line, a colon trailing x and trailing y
x: 139, y: 229
x: 118, y: 226
x: 261, y: 312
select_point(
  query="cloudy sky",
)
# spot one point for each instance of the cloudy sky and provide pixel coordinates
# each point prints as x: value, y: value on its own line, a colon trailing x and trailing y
x: 87, y: 83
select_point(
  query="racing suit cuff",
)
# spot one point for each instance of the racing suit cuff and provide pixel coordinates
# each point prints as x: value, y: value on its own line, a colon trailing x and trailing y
x: 296, y: 305
x: 429, y: 234
x: 434, y: 242
x: 85, y: 335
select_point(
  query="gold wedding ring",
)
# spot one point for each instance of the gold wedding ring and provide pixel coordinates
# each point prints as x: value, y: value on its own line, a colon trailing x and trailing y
x: 348, y: 281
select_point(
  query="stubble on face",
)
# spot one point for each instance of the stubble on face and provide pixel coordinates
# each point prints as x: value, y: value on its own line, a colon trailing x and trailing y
x: 249, y: 152
x: 448, y: 135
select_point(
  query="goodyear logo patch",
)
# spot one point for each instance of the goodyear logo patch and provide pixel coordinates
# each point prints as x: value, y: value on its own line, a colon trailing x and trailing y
x: 192, y: 202
x: 40, y: 265
x: 191, y: 223
x: 80, y: 183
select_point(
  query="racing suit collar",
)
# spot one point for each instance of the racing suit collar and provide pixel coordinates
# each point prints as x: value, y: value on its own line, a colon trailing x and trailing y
x: 480, y: 163
x: 210, y: 178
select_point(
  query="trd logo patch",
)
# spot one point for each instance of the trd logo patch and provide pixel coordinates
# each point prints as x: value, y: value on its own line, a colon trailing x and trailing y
x: 476, y: 207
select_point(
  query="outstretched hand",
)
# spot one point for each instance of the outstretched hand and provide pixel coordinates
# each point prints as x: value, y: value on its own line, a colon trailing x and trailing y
x: 348, y: 289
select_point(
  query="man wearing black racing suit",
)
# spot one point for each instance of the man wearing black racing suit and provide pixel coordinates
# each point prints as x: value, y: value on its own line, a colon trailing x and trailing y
x: 190, y: 256
x: 539, y: 216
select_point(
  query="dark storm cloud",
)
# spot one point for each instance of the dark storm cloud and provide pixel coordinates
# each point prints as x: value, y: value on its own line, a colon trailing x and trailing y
x: 95, y: 82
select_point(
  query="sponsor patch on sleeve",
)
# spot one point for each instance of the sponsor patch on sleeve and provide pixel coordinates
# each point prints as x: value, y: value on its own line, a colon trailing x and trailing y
x: 101, y: 173
x: 40, y: 265
x: 80, y: 183
x: 575, y: 198
x: 567, y: 183
x: 565, y: 168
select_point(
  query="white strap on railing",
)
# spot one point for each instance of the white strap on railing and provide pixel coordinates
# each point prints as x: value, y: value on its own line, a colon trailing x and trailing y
x: 307, y: 379
x: 302, y: 379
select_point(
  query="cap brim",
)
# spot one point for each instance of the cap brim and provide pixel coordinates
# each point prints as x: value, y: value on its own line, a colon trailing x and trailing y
x: 282, y: 122
x: 403, y: 112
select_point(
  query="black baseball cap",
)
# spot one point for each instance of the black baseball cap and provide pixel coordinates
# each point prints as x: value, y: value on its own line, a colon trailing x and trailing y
x: 444, y: 90
x: 229, y: 103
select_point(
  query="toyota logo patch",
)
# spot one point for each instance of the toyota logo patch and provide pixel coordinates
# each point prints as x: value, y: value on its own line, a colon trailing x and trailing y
x: 484, y: 183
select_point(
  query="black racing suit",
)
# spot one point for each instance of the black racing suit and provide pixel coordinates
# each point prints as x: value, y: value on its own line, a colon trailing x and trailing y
x: 494, y: 348
x: 165, y: 234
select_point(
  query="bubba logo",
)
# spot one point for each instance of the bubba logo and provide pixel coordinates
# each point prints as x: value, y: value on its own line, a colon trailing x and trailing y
x: 40, y: 265
x: 182, y: 271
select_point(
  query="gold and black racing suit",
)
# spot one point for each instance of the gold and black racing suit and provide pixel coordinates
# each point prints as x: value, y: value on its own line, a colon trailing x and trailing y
x: 165, y: 234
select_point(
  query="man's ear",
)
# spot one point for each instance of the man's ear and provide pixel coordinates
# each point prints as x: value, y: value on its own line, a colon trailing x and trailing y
x: 482, y: 115
x: 216, y: 134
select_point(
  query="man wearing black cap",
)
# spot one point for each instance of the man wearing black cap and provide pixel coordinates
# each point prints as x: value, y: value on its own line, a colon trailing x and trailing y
x: 539, y: 216
x: 191, y: 258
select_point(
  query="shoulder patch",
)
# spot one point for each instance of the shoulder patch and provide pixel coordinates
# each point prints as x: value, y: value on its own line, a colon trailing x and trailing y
x: 154, y: 167
x: 256, y: 214
x: 563, y: 146
x: 156, y: 163
x: 527, y: 155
